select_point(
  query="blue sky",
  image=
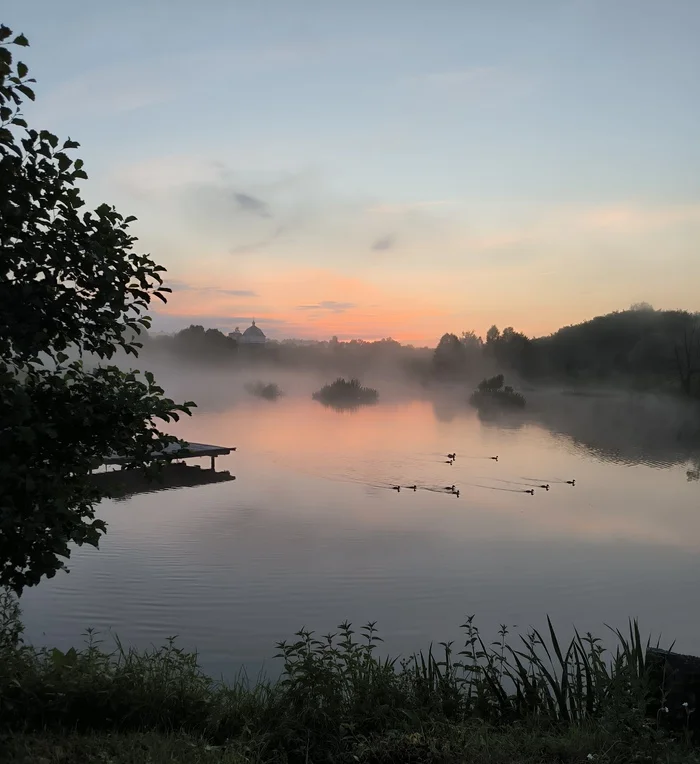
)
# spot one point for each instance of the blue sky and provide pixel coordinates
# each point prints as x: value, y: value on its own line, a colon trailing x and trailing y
x: 408, y: 168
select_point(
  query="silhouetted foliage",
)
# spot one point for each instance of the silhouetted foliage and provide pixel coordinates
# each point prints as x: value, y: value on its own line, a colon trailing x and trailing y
x: 269, y: 391
x: 346, y: 393
x: 491, y: 393
x: 450, y: 356
x: 491, y: 384
x: 633, y: 343
x: 69, y: 281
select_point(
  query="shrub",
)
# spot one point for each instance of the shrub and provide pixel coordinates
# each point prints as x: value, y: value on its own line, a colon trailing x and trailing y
x: 269, y: 391
x: 343, y: 393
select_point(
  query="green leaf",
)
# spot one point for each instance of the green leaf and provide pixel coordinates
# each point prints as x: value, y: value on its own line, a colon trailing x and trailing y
x: 5, y: 32
x: 21, y: 40
x: 22, y: 69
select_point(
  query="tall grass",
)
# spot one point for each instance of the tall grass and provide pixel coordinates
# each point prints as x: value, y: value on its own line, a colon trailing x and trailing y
x: 334, y: 690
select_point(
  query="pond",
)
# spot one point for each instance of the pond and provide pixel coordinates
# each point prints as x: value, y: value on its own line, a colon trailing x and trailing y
x: 311, y: 532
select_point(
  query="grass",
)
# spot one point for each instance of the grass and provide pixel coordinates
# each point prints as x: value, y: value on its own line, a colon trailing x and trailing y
x: 344, y: 393
x: 531, y: 699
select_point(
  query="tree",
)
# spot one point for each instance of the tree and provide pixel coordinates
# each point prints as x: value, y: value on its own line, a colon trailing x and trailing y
x: 70, y: 282
x: 473, y: 344
x: 492, y: 335
x: 449, y: 356
x: 687, y: 353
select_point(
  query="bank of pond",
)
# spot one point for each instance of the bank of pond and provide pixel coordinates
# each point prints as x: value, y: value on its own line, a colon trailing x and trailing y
x: 531, y: 698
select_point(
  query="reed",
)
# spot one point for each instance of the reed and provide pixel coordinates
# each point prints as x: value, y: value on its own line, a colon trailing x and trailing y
x: 337, y: 693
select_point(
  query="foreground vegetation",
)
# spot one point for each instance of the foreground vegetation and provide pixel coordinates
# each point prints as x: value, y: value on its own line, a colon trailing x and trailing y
x: 346, y: 393
x: 533, y: 700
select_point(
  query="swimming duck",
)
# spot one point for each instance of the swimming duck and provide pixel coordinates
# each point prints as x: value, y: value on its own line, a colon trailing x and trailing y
x: 531, y: 491
x: 571, y: 482
x: 452, y: 456
x: 495, y: 458
x: 395, y: 487
x: 449, y: 488
x: 456, y: 493
x: 546, y: 487
x: 412, y: 487
x: 449, y: 461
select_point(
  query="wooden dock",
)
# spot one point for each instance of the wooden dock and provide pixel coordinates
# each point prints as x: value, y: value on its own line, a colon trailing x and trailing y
x: 176, y: 451
x: 122, y: 484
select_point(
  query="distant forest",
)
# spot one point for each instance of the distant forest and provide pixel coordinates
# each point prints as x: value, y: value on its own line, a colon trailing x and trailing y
x: 641, y: 346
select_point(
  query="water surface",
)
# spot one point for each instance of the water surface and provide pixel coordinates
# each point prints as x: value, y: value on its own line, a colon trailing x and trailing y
x: 311, y: 533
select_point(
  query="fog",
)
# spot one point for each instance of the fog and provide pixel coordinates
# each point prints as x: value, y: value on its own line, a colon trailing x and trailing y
x: 609, y: 422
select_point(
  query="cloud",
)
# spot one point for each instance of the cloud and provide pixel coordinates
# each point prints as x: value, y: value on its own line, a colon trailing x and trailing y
x: 480, y: 83
x: 256, y: 246
x: 252, y: 204
x: 411, y: 206
x: 632, y: 219
x: 330, y: 306
x: 474, y: 77
x: 129, y: 85
x: 384, y: 242
x: 182, y: 286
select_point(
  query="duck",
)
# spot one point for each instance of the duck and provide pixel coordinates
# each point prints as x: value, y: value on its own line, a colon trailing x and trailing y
x: 412, y: 487
x: 571, y: 482
x: 495, y: 458
x: 546, y: 486
x: 450, y: 488
x: 456, y: 493
x: 395, y: 487
x: 531, y: 491
x: 449, y: 461
x: 452, y: 456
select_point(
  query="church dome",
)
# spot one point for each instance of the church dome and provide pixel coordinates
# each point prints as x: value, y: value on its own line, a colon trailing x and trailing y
x: 253, y: 334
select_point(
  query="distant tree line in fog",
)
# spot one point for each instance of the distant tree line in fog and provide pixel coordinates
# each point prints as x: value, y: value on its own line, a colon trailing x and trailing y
x: 648, y: 347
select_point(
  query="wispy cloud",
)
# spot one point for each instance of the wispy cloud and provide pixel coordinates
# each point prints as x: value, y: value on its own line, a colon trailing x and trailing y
x: 629, y: 219
x: 477, y: 82
x: 256, y: 246
x: 127, y: 86
x: 410, y: 206
x: 384, y: 242
x: 329, y: 305
x: 472, y: 78
x: 183, y: 286
x: 252, y: 204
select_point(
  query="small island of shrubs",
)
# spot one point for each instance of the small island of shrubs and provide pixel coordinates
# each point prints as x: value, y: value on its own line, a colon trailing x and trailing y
x: 346, y: 394
x: 492, y: 393
x: 269, y: 391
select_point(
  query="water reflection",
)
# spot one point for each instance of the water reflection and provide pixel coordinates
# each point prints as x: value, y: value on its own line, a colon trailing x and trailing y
x: 618, y: 428
x: 122, y: 484
x: 311, y: 532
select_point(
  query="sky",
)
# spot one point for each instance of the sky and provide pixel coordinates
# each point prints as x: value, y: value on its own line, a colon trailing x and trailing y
x: 375, y: 169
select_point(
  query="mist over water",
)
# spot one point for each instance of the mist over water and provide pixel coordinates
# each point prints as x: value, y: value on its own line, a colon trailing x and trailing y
x: 311, y: 532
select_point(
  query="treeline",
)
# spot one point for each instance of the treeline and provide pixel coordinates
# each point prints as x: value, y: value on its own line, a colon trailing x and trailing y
x: 353, y: 357
x: 651, y: 348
